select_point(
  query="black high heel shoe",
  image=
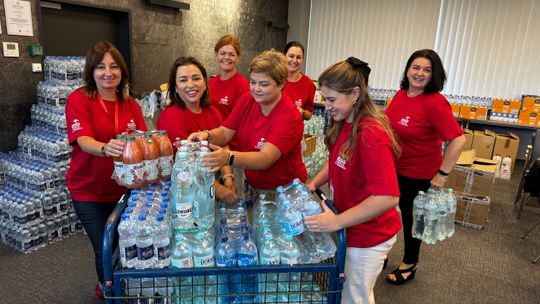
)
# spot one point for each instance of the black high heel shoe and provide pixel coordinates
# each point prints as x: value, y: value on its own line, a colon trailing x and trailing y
x: 385, y: 263
x: 400, y: 279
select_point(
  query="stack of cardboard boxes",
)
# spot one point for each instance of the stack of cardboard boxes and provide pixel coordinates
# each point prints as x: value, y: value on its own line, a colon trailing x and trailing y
x: 529, y: 112
x: 473, y: 176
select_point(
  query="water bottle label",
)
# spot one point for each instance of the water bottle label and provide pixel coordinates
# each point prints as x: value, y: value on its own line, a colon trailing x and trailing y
x: 130, y: 252
x: 269, y: 261
x: 166, y: 164
x: 145, y: 253
x: 182, y: 263
x: 289, y: 261
x: 27, y: 245
x: 163, y: 253
x: 65, y: 230
x: 204, y: 261
x: 184, y: 210
x: 295, y: 228
x: 53, y: 234
x: 247, y: 261
x: 227, y: 263
x: 132, y: 173
x: 118, y: 170
x: 151, y: 168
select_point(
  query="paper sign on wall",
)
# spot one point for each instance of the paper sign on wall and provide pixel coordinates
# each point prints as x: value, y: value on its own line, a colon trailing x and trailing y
x: 18, y: 18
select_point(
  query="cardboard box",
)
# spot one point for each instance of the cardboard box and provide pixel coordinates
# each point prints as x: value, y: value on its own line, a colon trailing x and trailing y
x: 507, y: 145
x: 468, y: 140
x: 455, y: 109
x: 472, y: 112
x: 529, y: 118
x: 531, y: 104
x: 309, y: 144
x: 505, y: 106
x: 472, y: 175
x: 483, y: 142
x: 472, y: 211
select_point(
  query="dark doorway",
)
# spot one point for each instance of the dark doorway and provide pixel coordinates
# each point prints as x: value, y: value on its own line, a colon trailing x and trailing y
x: 70, y: 30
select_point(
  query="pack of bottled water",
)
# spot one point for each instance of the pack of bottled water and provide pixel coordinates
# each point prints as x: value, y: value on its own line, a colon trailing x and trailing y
x: 53, y: 93
x: 49, y: 147
x: 474, y: 101
x: 67, y: 70
x: 193, y: 193
x: 316, y: 126
x: 433, y: 215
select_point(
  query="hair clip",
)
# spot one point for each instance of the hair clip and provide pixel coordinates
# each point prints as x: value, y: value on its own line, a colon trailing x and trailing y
x: 361, y: 65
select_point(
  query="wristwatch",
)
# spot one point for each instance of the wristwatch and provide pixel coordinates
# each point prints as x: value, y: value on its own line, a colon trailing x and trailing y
x: 231, y: 159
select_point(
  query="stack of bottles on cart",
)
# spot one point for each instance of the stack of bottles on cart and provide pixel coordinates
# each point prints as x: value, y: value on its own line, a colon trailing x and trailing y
x: 35, y: 206
x: 433, y: 215
x: 316, y: 126
x: 173, y: 224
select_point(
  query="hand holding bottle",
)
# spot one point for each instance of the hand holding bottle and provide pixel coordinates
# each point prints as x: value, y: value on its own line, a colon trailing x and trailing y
x: 324, y: 222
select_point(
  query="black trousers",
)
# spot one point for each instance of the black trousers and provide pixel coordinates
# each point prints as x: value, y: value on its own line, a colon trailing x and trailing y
x: 93, y: 216
x: 409, y: 187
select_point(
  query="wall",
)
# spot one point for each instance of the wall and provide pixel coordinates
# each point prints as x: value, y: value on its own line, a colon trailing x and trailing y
x: 159, y: 36
x: 299, y: 13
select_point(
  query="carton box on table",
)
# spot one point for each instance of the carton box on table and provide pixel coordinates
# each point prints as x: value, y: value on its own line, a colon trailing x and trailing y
x: 483, y: 142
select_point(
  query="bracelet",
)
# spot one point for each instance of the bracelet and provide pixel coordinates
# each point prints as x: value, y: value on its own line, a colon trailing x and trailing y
x: 103, y: 150
x: 224, y: 176
x: 207, y: 133
x: 441, y: 172
x: 231, y: 158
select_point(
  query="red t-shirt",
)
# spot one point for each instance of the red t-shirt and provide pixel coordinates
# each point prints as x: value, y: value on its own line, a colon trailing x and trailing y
x: 225, y: 93
x: 283, y: 127
x: 370, y: 171
x: 89, y: 177
x: 301, y: 93
x: 421, y: 124
x: 180, y: 122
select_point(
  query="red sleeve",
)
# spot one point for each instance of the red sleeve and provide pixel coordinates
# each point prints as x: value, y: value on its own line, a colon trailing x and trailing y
x: 137, y: 114
x: 287, y: 135
x: 78, y: 117
x: 233, y: 121
x: 375, y: 149
x: 441, y: 118
x: 172, y: 120
x: 310, y: 102
x: 243, y: 87
x: 216, y: 115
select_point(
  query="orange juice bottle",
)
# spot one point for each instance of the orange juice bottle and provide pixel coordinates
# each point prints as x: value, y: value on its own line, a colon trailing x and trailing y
x: 118, y: 163
x: 133, y: 161
x: 151, y: 159
x: 166, y: 155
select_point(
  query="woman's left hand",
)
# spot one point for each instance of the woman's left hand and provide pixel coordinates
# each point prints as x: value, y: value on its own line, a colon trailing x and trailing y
x: 438, y: 181
x: 216, y: 159
x: 324, y: 222
x: 229, y: 184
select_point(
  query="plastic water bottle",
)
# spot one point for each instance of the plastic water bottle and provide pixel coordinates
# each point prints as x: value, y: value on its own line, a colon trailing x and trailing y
x: 451, y: 203
x: 127, y: 242
x: 269, y: 254
x: 442, y: 208
x: 506, y: 170
x: 205, y: 194
x: 203, y: 256
x: 418, y: 215
x: 145, y: 245
x: 292, y: 221
x: 290, y: 254
x: 161, y: 242
x: 498, y: 160
x: 430, y: 220
x: 225, y: 257
x: 182, y: 196
x: 182, y: 257
x: 247, y: 256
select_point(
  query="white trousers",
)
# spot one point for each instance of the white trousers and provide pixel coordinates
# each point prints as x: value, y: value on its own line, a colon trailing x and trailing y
x: 362, y: 267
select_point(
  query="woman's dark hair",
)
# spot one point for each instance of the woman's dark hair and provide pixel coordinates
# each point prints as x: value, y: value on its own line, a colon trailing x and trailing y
x: 174, y: 97
x: 291, y: 44
x: 438, y: 75
x: 94, y: 56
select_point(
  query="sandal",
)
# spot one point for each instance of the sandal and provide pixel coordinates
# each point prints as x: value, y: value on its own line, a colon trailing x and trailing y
x: 398, y: 273
x: 385, y: 263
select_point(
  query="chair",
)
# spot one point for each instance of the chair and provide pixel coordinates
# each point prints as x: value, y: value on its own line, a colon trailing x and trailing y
x: 521, y: 193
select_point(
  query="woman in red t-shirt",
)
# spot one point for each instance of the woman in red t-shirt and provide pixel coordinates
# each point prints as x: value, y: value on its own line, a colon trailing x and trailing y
x: 191, y: 111
x: 299, y: 87
x: 422, y: 119
x: 361, y: 176
x: 95, y: 114
x: 268, y: 127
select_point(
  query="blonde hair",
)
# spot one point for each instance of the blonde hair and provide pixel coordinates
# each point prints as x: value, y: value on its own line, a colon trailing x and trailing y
x: 271, y: 63
x: 343, y: 77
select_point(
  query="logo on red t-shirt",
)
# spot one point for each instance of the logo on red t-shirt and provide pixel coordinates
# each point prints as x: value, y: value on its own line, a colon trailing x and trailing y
x: 340, y: 162
x: 260, y: 144
x: 132, y: 126
x: 405, y: 121
x: 298, y: 102
x: 76, y: 126
x: 224, y: 100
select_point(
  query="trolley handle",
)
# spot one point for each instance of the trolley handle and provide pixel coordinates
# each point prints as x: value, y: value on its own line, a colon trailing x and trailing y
x: 109, y: 254
x: 342, y: 242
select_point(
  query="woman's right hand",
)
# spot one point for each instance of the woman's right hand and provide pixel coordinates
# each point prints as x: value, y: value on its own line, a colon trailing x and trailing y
x: 114, y: 148
x: 198, y: 136
x: 225, y: 194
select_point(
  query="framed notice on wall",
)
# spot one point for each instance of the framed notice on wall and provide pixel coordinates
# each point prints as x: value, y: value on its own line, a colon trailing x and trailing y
x: 18, y: 18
